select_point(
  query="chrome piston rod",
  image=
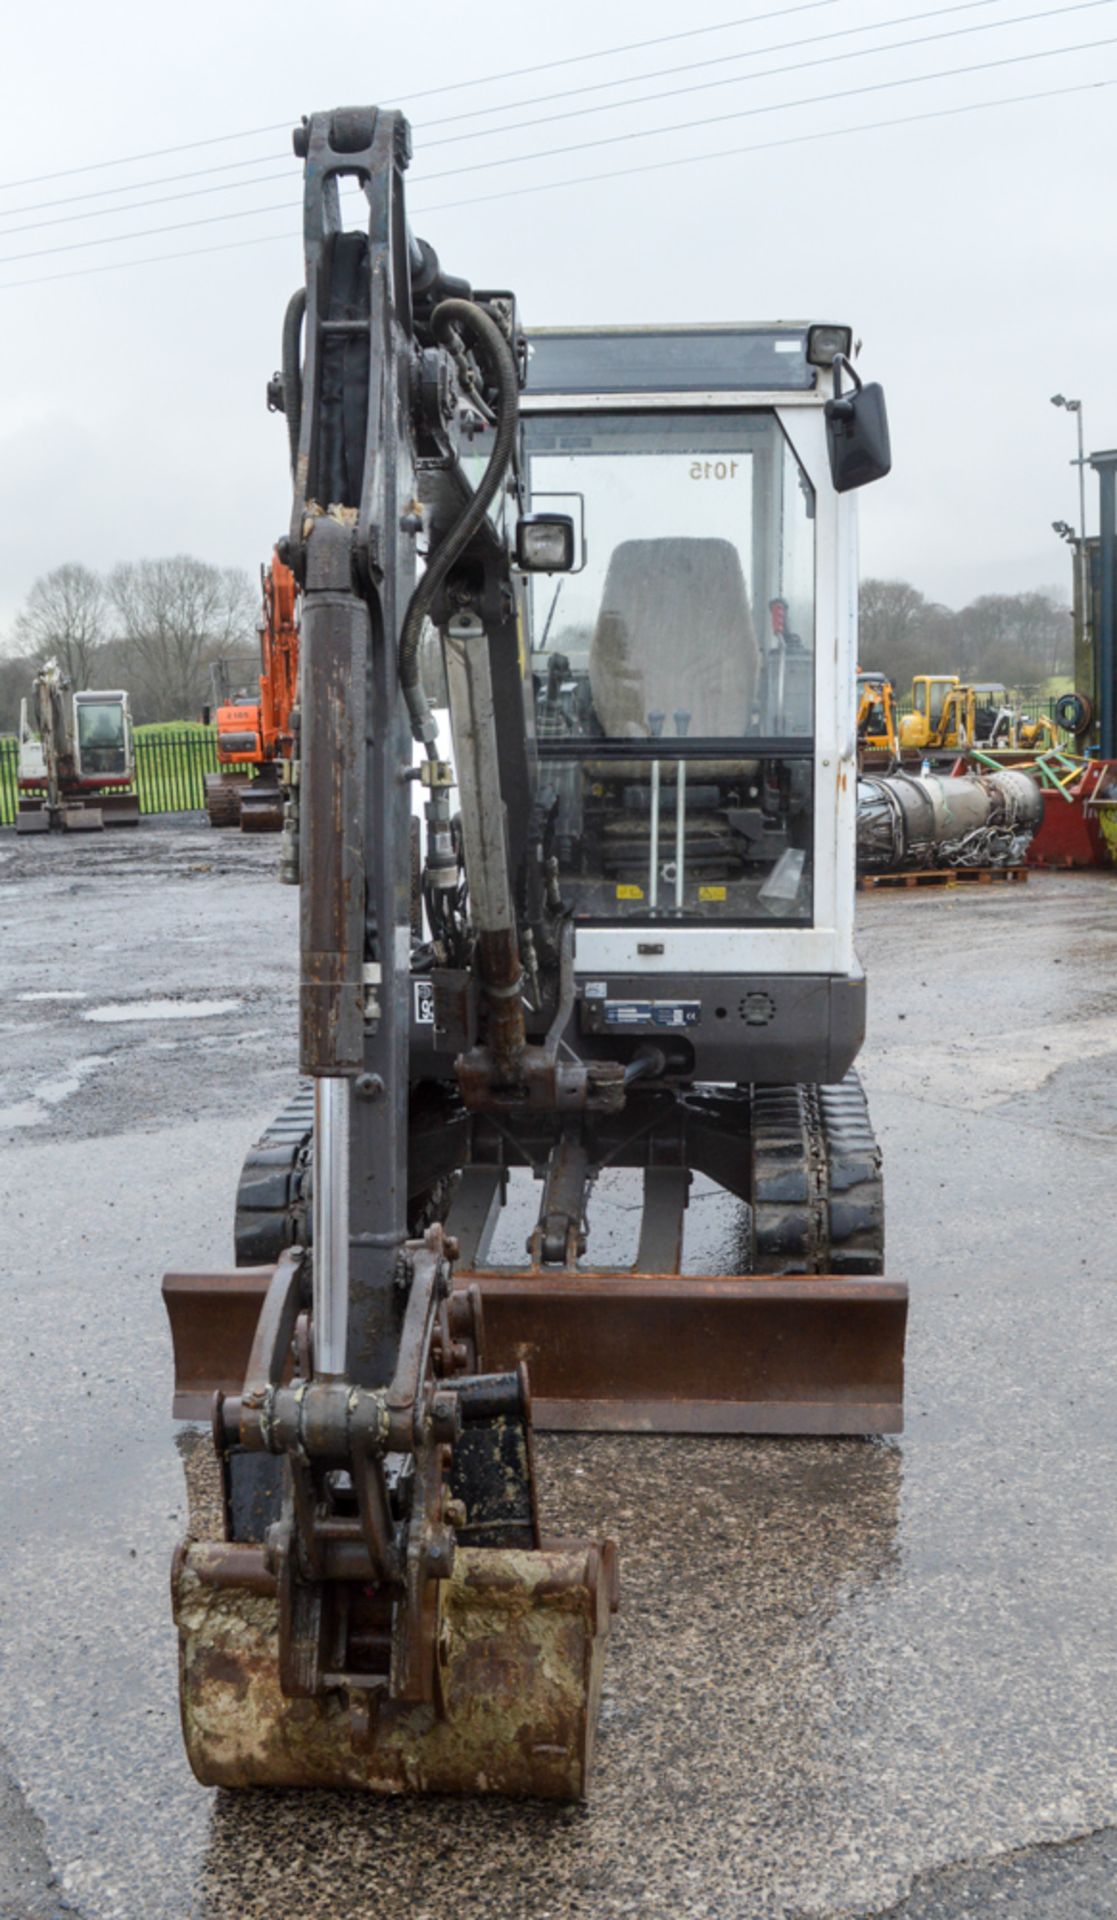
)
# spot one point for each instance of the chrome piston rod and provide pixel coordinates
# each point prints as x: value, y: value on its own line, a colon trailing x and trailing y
x: 331, y: 1225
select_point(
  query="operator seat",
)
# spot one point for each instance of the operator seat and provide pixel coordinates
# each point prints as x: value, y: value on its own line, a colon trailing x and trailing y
x: 674, y: 632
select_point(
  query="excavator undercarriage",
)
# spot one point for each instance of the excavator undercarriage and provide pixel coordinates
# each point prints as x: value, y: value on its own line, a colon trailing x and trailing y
x: 802, y: 1337
x: 608, y: 951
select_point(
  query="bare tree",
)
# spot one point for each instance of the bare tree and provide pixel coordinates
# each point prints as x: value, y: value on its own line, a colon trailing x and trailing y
x: 67, y: 617
x: 16, y: 675
x: 893, y: 618
x: 889, y: 614
x: 1046, y: 631
x: 176, y: 615
x: 1020, y: 638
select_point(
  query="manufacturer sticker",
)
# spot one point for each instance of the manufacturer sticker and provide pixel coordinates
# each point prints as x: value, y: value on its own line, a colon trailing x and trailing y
x: 424, y: 1003
x: 652, y: 1013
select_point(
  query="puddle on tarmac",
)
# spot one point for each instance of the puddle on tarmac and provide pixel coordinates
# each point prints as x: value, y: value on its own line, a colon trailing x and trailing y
x: 115, y: 1012
x: 25, y: 1114
x: 51, y: 1093
x: 55, y: 993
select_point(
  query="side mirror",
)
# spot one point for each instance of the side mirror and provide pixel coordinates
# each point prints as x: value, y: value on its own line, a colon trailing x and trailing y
x: 856, y: 432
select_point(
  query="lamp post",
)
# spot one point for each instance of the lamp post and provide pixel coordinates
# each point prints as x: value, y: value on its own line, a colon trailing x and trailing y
x: 1075, y: 407
x: 1105, y: 466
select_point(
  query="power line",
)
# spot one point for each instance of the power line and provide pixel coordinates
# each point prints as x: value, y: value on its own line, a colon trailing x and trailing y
x: 749, y: 53
x: 453, y: 86
x: 566, y: 93
x: 153, y: 153
x: 164, y: 180
x: 693, y: 66
x: 776, y: 106
x: 145, y: 233
x: 632, y: 46
x: 770, y: 73
x: 609, y: 140
x: 765, y: 146
x: 136, y: 206
x: 736, y: 79
x: 614, y: 173
x: 151, y: 259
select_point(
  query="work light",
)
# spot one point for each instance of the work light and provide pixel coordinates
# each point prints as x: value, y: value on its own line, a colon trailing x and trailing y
x: 545, y: 543
x: 824, y: 342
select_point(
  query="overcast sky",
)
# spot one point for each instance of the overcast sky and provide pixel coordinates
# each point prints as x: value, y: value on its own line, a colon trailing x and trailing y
x: 973, y: 254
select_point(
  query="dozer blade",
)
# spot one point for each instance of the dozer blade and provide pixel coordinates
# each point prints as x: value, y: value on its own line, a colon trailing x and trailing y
x: 213, y: 1320
x: 623, y: 1352
x: 683, y: 1353
x: 32, y: 818
x: 521, y: 1643
x: 120, y: 809
x: 261, y: 809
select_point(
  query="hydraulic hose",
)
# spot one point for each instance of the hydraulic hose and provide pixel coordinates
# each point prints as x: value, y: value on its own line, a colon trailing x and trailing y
x: 494, y: 351
x: 291, y: 363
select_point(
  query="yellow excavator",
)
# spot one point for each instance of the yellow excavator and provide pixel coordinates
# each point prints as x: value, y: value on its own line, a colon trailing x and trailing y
x: 878, y: 733
x: 948, y: 712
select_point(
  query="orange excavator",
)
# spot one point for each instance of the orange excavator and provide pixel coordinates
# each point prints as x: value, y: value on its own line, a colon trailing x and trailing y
x: 254, y: 728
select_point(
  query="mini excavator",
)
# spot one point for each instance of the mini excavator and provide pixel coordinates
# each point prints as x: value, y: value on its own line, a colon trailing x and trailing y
x: 77, y: 757
x: 618, y: 937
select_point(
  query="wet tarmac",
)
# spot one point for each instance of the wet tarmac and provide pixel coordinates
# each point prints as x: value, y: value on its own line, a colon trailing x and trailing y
x: 848, y: 1678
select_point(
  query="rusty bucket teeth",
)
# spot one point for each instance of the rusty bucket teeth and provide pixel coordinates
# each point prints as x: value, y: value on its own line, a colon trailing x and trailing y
x: 521, y: 1645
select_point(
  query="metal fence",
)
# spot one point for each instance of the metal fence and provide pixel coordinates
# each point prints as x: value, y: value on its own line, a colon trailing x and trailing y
x: 9, y: 778
x: 1034, y: 708
x: 171, y: 765
x: 172, y: 762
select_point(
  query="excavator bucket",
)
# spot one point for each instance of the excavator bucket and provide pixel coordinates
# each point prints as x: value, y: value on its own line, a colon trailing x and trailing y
x: 521, y: 1642
x: 470, y: 1664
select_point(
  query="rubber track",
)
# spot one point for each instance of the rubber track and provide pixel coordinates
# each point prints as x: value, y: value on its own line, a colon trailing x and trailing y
x: 222, y: 801
x: 818, y: 1197
x: 273, y: 1197
x: 856, y: 1184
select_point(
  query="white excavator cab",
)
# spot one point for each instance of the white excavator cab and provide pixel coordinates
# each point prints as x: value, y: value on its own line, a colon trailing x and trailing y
x: 694, y: 682
x: 103, y: 734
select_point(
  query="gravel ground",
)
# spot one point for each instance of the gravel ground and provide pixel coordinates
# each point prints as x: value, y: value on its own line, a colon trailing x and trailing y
x: 847, y: 1679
